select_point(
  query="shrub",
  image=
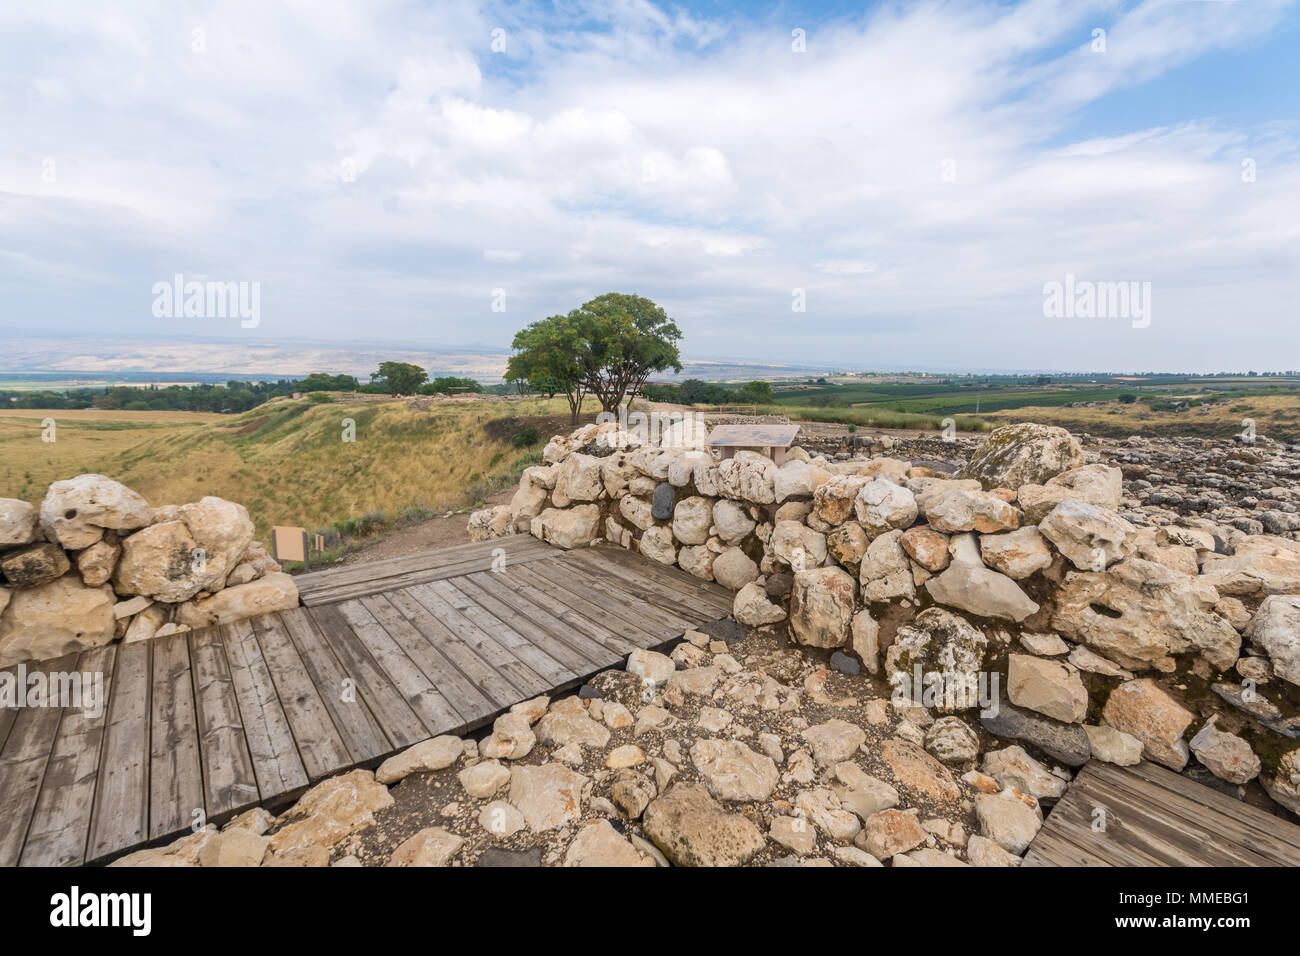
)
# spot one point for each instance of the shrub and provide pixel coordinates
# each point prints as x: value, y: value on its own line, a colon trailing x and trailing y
x: 526, y: 438
x: 320, y: 398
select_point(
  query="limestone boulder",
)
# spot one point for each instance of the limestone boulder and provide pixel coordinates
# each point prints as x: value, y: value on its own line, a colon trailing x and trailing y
x: 798, y: 546
x: 76, y: 512
x: 833, y: 501
x: 275, y: 592
x: 55, y: 618
x: 332, y: 810
x: 692, y: 519
x: 1140, y: 708
x: 885, y: 573
x: 1049, y: 687
x: 1100, y: 485
x: 981, y: 591
x: 1259, y: 566
x: 568, y: 528
x: 96, y: 563
x: 881, y: 506
x: 748, y: 477
x: 960, y: 510
x: 34, y: 565
x: 734, y: 772
x: 1017, y: 554
x: 732, y: 521
x: 578, y: 478
x: 1283, y: 784
x: 1022, y: 454
x: 734, y: 569
x: 847, y: 544
x: 17, y: 522
x: 1142, y: 615
x: 1276, y: 631
x: 947, y: 651
x: 658, y: 544
x: 692, y: 829
x: 821, y: 607
x: 1225, y: 755
x: 753, y: 609
x: 927, y: 547
x: 549, y: 796
x: 1091, y: 538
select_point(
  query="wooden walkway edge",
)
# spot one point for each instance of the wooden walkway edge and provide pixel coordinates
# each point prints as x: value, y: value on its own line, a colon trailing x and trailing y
x: 1146, y: 815
x: 203, y: 725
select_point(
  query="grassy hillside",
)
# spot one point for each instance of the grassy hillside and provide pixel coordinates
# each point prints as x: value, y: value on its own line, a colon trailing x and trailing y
x: 286, y: 460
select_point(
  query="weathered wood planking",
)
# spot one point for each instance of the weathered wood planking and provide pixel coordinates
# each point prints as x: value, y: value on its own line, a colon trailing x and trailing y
x: 200, y: 726
x: 1149, y: 816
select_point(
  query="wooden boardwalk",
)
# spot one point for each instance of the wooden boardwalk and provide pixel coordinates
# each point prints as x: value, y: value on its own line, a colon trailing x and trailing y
x: 213, y: 722
x: 1154, y: 817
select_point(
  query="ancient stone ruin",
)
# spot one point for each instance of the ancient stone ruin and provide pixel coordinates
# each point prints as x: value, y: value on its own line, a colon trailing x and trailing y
x: 96, y: 564
x: 1140, y: 600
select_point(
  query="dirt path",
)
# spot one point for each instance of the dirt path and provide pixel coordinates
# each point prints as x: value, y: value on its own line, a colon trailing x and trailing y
x: 442, y: 532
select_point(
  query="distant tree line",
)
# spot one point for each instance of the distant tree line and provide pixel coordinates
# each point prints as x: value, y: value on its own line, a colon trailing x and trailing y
x: 693, y: 391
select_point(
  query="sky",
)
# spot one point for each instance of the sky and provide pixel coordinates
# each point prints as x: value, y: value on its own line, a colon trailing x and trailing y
x: 872, y: 185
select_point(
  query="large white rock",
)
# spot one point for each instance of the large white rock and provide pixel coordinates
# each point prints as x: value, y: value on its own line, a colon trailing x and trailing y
x: 274, y: 592
x: 732, y: 521
x: 1142, y: 709
x: 834, y: 499
x: 1017, y: 554
x: 734, y: 569
x: 748, y: 477
x: 692, y: 519
x: 949, y: 654
x: 1259, y: 565
x: 961, y: 510
x: 1100, y: 485
x: 578, y: 478
x: 1022, y: 454
x: 52, y: 619
x: 753, y: 609
x: 734, y: 772
x: 657, y: 544
x: 174, y: 560
x: 76, y: 512
x: 568, y: 527
x: 798, y: 546
x: 1140, y: 614
x: 1050, y: 687
x: 798, y: 479
x: 885, y: 572
x: 17, y: 522
x: 1091, y: 538
x: 821, y: 607
x: 881, y: 506
x: 1276, y: 630
x: 981, y: 591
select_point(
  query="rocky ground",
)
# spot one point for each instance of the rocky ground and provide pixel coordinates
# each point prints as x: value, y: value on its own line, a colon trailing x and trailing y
x: 737, y: 748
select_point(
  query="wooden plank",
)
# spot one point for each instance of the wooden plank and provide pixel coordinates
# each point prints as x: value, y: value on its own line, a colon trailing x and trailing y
x: 277, y: 766
x: 175, y: 773
x: 627, y: 635
x: 61, y: 819
x: 576, y: 652
x: 433, y: 709
x: 632, y: 602
x: 320, y: 744
x: 622, y: 609
x: 500, y: 691
x: 666, y: 595
x: 505, y: 663
x: 529, y: 597
x: 424, y: 560
x: 120, y: 817
x: 539, y: 661
x: 1193, y: 832
x: 400, y: 725
x: 24, y: 760
x: 472, y: 704
x: 359, y: 583
x: 229, y: 783
x: 1259, y: 824
x: 1121, y: 844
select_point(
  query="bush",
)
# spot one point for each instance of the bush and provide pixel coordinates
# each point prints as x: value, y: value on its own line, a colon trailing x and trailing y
x: 526, y: 438
x: 1128, y: 398
x: 320, y: 398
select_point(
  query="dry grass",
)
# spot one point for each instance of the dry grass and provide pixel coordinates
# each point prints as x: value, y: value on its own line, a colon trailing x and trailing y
x: 1275, y: 416
x: 285, y: 460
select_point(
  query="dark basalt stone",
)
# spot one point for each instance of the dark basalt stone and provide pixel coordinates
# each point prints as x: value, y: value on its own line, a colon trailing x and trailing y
x: 1067, y: 743
x: 661, y: 507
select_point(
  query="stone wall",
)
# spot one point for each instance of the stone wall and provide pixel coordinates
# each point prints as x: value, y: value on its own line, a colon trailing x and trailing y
x: 97, y: 564
x: 1111, y: 628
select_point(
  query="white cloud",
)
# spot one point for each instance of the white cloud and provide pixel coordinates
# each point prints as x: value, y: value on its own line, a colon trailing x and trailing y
x: 918, y: 171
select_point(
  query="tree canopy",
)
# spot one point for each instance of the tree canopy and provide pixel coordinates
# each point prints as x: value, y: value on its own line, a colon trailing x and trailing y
x: 399, y: 378
x: 544, y: 360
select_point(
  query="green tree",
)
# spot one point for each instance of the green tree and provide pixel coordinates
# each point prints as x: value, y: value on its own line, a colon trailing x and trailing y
x: 622, y: 339
x: 758, y: 392
x: 398, y: 378
x: 545, y: 358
